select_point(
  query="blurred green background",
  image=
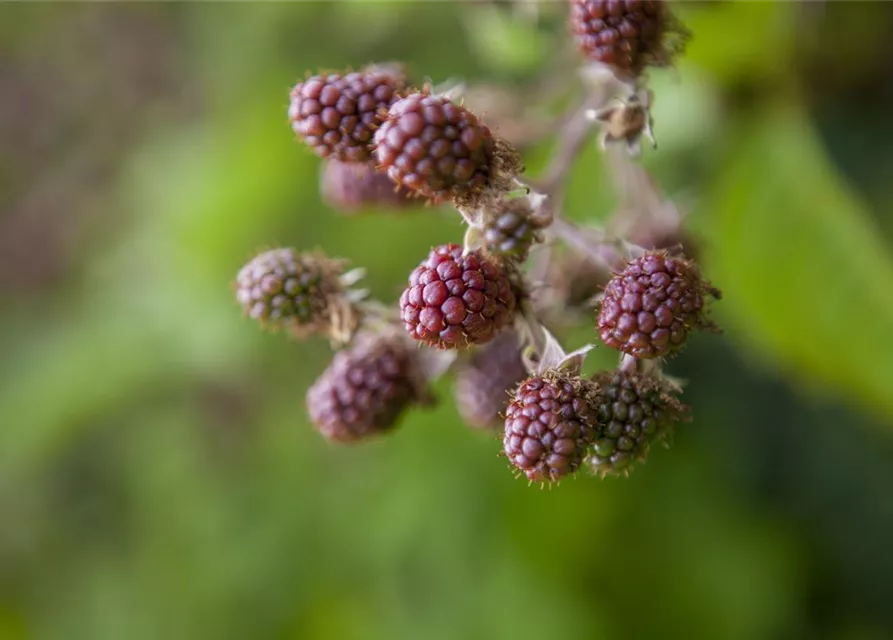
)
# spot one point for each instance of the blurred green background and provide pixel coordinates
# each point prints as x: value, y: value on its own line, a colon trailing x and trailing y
x: 158, y: 478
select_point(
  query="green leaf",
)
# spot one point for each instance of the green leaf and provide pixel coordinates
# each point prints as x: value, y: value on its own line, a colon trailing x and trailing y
x: 504, y: 42
x: 807, y: 278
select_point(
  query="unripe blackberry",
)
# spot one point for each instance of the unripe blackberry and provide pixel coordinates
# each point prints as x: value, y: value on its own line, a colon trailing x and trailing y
x: 438, y: 149
x: 549, y: 425
x: 627, y: 35
x: 336, y: 115
x: 365, y: 389
x: 482, y: 386
x: 454, y: 301
x: 651, y: 306
x: 283, y: 288
x: 512, y: 228
x: 634, y: 413
x: 350, y: 186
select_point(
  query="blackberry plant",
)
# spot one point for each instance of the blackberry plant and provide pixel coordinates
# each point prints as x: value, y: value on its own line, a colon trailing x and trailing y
x: 479, y: 308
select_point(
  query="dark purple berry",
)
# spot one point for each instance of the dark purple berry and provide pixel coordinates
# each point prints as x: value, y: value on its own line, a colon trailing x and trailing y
x: 549, y: 425
x: 365, y: 389
x: 454, y: 301
x: 651, y: 306
x: 336, y: 115
x: 625, y: 34
x: 634, y: 413
x: 483, y: 385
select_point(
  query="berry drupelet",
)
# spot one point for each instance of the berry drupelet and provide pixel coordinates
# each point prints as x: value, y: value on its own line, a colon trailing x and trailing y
x: 627, y: 35
x: 365, y: 389
x: 482, y: 386
x: 634, y: 413
x: 283, y: 288
x: 336, y: 115
x: 456, y: 300
x: 549, y: 425
x: 651, y: 306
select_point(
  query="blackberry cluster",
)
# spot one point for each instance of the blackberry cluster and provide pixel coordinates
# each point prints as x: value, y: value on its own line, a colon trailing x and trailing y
x: 435, y: 148
x: 350, y: 186
x: 382, y: 144
x: 456, y: 300
x: 549, y: 425
x: 365, y: 389
x: 650, y: 307
x: 512, y: 228
x: 625, y: 34
x: 336, y: 115
x: 634, y: 413
x: 483, y: 385
x: 283, y: 288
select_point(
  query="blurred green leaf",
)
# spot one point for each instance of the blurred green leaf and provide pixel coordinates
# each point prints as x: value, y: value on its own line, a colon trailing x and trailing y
x: 503, y: 42
x: 805, y: 274
x: 759, y: 45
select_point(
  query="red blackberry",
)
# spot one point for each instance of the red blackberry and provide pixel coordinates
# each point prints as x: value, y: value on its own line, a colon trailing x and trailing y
x: 439, y: 149
x: 365, y: 389
x: 549, y: 424
x: 634, y: 413
x: 512, y: 228
x: 455, y: 300
x: 336, y: 115
x: 625, y: 34
x: 285, y: 288
x: 649, y: 308
x: 350, y: 186
x: 482, y: 386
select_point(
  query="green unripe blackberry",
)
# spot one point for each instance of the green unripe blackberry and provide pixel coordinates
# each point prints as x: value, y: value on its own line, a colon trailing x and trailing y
x: 549, y: 425
x: 284, y: 288
x: 635, y: 412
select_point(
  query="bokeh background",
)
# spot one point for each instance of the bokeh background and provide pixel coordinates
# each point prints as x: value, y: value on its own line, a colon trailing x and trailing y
x: 158, y: 477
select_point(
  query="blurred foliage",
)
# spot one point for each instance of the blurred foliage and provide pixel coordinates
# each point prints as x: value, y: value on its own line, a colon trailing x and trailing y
x: 158, y: 477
